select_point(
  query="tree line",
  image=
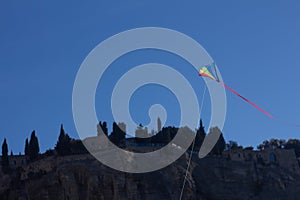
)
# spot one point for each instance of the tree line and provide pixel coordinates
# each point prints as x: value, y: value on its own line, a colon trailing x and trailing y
x: 270, y: 144
x: 68, y: 146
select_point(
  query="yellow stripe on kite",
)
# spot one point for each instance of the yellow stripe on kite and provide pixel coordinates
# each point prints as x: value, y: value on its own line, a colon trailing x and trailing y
x: 204, y: 72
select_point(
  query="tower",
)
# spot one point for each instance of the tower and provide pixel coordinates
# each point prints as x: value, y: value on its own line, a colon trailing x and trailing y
x: 158, y: 124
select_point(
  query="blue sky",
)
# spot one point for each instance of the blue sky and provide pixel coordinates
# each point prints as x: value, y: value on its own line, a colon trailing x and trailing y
x: 256, y: 45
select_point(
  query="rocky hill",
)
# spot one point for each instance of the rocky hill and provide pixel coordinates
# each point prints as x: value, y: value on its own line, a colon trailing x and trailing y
x: 214, y: 177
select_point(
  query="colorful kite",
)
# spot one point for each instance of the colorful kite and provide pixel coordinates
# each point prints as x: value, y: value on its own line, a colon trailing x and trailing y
x: 206, y: 73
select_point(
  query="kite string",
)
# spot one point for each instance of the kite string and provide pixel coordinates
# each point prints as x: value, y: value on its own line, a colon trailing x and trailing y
x: 193, y: 145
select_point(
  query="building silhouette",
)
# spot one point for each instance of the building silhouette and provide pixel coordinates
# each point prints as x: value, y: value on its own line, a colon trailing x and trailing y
x: 158, y: 124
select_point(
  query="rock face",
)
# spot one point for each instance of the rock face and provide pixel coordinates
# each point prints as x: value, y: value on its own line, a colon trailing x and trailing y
x: 83, y: 177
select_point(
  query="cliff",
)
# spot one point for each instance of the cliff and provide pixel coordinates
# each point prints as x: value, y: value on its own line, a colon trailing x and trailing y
x: 83, y: 177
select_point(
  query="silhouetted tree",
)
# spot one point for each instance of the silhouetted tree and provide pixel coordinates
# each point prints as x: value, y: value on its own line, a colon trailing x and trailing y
x: 11, y: 153
x: 117, y: 136
x: 63, y: 145
x: 221, y: 144
x: 49, y: 152
x: 77, y: 147
x: 272, y: 143
x: 33, y: 147
x: 200, y: 135
x: 293, y: 144
x: 277, y: 144
x: 165, y: 135
x: 249, y: 148
x: 26, y: 151
x: 5, y: 161
x: 104, y: 127
x: 260, y: 147
x: 266, y: 144
x: 231, y: 145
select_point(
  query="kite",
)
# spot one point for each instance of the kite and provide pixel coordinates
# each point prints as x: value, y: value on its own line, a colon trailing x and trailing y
x: 206, y: 73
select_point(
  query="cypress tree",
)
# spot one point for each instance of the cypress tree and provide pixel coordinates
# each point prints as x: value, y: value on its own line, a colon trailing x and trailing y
x: 221, y: 144
x: 117, y: 135
x: 200, y: 135
x: 103, y: 128
x: 5, y: 161
x: 26, y: 147
x: 34, y: 148
x: 63, y: 146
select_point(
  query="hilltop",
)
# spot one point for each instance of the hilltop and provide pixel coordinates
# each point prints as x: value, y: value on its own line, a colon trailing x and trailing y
x: 214, y: 177
x: 230, y: 171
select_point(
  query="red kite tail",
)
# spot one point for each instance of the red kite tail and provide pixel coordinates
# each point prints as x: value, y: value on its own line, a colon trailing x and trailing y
x: 247, y: 100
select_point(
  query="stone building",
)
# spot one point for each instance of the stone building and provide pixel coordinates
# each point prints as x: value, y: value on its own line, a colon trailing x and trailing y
x: 17, y: 161
x: 285, y: 158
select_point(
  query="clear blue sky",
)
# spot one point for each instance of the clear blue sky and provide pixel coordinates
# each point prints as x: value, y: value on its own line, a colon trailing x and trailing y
x: 256, y: 45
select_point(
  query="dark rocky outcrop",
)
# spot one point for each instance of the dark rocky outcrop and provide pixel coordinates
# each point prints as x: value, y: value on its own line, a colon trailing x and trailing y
x: 83, y: 177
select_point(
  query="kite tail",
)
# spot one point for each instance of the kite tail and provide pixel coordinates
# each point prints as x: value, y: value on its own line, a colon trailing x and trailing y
x: 247, y: 100
x: 205, y: 72
x: 258, y: 108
